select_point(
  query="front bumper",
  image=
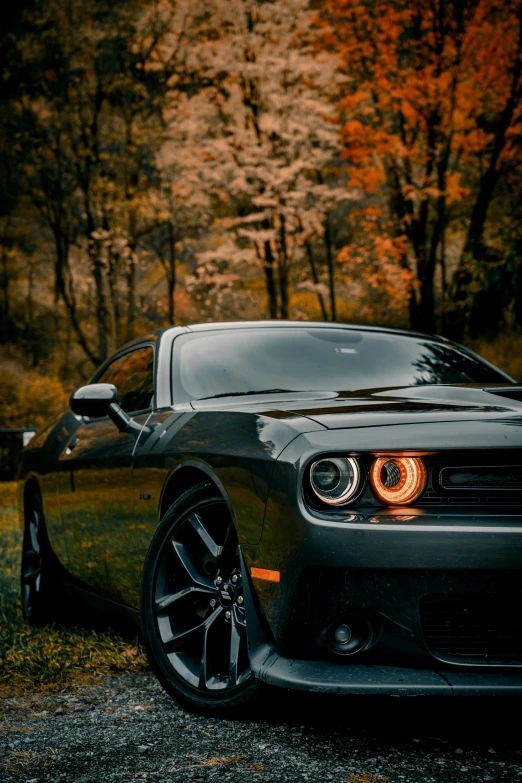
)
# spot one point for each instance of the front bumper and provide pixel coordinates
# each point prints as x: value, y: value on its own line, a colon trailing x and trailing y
x: 387, y: 567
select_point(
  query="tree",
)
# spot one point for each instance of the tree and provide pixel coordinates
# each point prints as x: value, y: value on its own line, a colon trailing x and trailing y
x: 268, y: 142
x: 430, y: 112
x: 93, y: 127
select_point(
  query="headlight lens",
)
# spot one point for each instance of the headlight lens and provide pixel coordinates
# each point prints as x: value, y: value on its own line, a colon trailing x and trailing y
x: 335, y: 480
x: 398, y: 481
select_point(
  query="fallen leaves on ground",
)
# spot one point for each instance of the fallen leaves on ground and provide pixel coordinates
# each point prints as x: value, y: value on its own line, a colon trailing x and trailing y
x: 214, y: 762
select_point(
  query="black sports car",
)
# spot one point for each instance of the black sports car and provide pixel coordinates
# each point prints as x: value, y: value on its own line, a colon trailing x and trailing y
x: 316, y: 506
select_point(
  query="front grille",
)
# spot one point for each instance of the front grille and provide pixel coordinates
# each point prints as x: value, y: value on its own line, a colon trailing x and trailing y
x: 474, y: 479
x: 473, y: 630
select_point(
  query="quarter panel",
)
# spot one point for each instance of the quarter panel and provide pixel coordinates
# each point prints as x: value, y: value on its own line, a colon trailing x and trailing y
x: 40, y: 461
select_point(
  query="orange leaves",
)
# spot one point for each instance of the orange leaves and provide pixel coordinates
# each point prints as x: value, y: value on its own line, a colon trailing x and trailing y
x: 454, y: 190
x: 379, y: 261
x: 426, y: 88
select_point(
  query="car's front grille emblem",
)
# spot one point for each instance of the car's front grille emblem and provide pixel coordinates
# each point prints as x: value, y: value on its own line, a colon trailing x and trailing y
x: 482, y: 477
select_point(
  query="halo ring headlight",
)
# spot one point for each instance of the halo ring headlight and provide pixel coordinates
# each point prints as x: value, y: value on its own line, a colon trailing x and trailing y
x: 398, y: 481
x: 335, y: 480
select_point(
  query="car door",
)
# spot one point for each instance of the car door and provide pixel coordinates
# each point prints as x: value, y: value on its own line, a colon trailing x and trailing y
x: 96, y: 496
x: 133, y: 376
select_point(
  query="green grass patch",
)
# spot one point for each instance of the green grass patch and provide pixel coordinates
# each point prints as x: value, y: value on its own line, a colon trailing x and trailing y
x: 53, y: 657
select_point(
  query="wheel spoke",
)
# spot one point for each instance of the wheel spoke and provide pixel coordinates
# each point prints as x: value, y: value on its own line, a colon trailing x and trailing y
x: 186, y: 561
x: 31, y: 573
x: 33, y: 533
x: 205, y: 674
x: 235, y: 644
x: 177, y: 640
x: 230, y: 531
x: 31, y: 563
x: 162, y: 604
x: 206, y: 538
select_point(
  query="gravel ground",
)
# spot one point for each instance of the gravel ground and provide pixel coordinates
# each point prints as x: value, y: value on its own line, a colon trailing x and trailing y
x: 126, y: 729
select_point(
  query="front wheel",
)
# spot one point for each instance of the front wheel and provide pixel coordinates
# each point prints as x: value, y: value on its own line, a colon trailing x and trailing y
x: 192, y: 612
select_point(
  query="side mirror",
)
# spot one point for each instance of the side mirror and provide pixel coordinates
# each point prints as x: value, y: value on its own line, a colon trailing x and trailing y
x: 94, y: 400
x: 101, y: 399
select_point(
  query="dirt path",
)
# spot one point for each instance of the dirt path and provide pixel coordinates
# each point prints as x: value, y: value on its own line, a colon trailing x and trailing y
x: 127, y: 729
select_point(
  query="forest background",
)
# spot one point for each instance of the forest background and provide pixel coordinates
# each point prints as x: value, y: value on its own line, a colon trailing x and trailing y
x: 175, y: 161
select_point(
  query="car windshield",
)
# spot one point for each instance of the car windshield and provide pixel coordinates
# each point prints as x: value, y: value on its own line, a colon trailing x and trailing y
x: 255, y: 361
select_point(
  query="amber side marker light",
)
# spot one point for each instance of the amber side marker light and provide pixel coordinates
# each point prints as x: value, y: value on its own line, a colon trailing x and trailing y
x: 266, y: 574
x: 398, y: 481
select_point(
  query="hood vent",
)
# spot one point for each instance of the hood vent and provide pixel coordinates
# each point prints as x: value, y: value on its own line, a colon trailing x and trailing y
x: 511, y: 392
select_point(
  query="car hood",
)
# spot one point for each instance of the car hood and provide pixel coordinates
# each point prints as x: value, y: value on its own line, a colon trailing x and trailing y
x: 408, y: 405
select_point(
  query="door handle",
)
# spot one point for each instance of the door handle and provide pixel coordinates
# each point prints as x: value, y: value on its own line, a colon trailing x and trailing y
x: 71, y: 445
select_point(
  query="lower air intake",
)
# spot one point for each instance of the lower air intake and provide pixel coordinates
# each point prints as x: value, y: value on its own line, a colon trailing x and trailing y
x: 473, y: 630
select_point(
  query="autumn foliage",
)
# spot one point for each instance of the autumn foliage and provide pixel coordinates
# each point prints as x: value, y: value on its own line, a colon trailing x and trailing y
x: 164, y: 161
x: 430, y: 123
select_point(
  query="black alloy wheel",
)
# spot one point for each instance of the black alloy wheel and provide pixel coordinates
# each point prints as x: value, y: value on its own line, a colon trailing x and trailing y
x: 38, y: 573
x: 193, y: 615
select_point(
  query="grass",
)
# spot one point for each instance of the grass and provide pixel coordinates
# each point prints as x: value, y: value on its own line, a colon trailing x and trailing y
x: 51, y: 658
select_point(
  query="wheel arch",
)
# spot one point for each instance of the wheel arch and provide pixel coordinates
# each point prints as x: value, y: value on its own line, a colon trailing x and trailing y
x: 185, y: 475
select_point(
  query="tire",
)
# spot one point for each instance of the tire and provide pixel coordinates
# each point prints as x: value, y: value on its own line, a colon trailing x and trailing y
x: 40, y: 587
x: 192, y: 614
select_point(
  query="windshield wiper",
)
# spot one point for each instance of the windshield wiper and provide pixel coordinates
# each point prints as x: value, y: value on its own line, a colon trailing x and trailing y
x: 243, y: 394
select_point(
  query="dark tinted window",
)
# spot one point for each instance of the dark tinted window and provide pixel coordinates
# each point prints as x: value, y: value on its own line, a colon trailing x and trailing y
x: 216, y: 363
x: 132, y: 374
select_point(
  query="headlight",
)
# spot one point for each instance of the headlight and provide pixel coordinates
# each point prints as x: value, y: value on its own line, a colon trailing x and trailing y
x: 398, y: 481
x: 335, y: 480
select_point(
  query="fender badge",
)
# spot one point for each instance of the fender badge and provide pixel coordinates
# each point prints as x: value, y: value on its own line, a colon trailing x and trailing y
x: 145, y: 496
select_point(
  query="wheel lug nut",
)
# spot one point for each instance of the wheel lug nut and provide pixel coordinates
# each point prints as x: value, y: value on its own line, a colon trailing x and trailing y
x: 212, y: 603
x: 235, y: 578
x: 228, y: 615
x: 219, y: 580
x: 240, y: 600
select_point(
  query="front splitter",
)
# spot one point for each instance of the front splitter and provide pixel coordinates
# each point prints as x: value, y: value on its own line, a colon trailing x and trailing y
x: 359, y: 679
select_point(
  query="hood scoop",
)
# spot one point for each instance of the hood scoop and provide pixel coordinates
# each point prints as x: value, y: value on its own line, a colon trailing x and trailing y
x: 510, y: 392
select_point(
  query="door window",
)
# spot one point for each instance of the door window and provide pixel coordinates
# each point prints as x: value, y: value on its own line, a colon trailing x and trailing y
x: 133, y: 376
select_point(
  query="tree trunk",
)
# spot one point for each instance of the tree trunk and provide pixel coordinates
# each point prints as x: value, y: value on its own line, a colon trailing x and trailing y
x: 131, y: 296
x: 171, y: 276
x: 94, y: 250
x: 444, y: 285
x: 331, y: 269
x: 61, y: 265
x: 112, y: 275
x: 315, y: 278
x: 426, y: 312
x: 270, y: 280
x: 101, y: 305
x: 283, y: 269
x: 4, y: 315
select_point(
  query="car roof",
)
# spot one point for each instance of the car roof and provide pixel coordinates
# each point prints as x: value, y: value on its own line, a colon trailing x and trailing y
x: 210, y: 326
